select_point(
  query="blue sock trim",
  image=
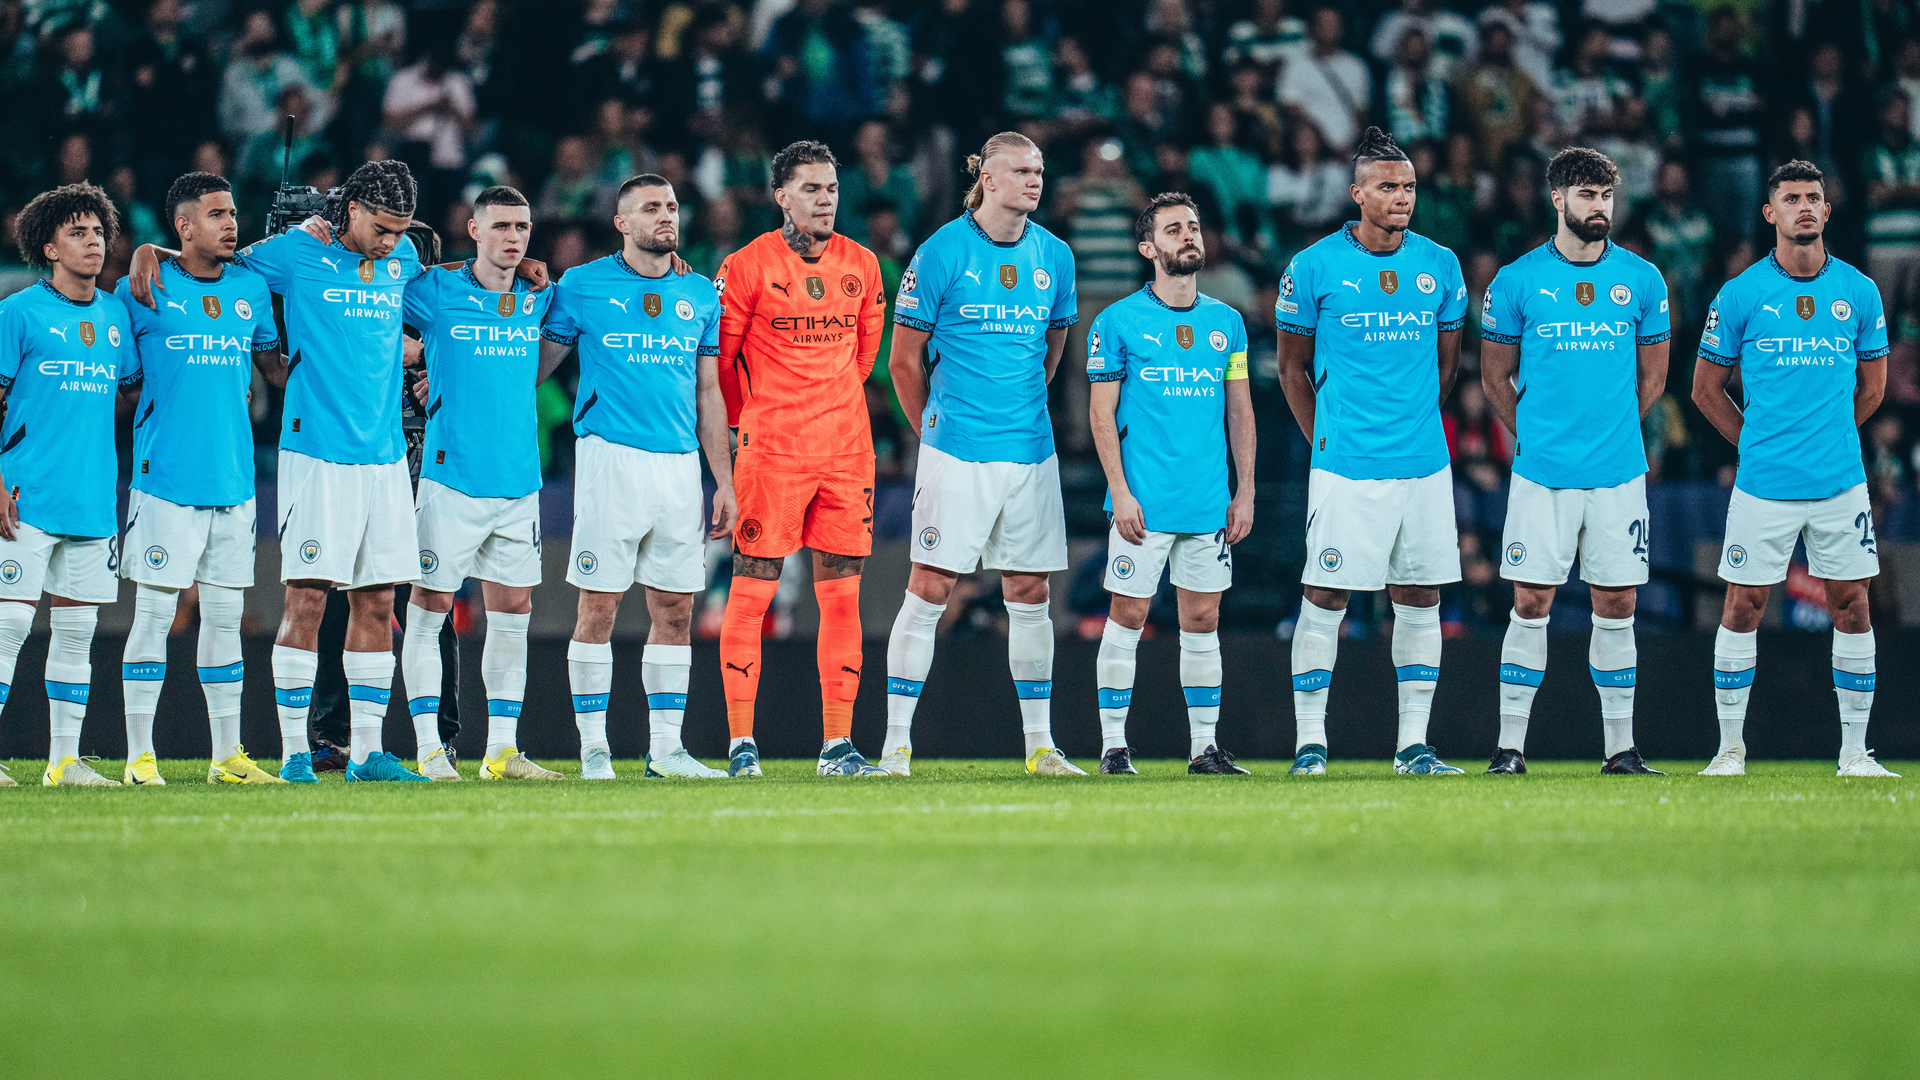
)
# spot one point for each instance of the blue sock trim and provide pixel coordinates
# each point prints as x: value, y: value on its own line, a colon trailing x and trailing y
x: 1621, y: 677
x: 1417, y: 673
x: 590, y: 702
x: 297, y: 698
x: 905, y: 687
x: 5, y: 689
x: 379, y: 695
x: 1201, y: 697
x: 1116, y: 699
x: 231, y: 673
x: 1861, y: 681
x: 144, y: 671
x: 1733, y: 680
x: 667, y: 701
x: 1308, y: 681
x: 1037, y: 690
x: 503, y: 707
x: 75, y: 692
x: 1521, y: 676
x: 416, y: 706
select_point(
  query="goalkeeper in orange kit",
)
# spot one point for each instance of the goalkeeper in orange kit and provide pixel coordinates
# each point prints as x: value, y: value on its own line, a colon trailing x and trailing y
x: 802, y: 310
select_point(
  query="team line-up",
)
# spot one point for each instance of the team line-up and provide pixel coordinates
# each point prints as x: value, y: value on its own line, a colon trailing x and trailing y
x: 762, y: 370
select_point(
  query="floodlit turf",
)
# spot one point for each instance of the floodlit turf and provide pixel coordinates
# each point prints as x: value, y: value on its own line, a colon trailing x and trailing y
x: 969, y: 921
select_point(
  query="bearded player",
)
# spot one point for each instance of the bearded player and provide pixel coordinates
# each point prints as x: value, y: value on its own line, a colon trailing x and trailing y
x: 801, y: 314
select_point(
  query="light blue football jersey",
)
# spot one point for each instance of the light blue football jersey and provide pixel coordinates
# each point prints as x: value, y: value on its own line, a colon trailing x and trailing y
x: 641, y: 340
x: 483, y: 357
x: 988, y: 306
x: 1376, y: 319
x: 343, y: 345
x: 63, y: 365
x: 192, y: 433
x: 1579, y: 327
x: 1173, y: 365
x: 1798, y: 342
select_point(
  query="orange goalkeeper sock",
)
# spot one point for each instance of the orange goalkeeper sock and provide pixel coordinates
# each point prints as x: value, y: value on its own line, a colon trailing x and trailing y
x: 747, y: 602
x: 839, y: 653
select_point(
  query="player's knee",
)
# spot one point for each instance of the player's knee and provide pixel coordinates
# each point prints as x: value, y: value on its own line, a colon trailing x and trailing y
x: 1538, y: 603
x: 933, y: 586
x: 371, y: 604
x: 1614, y: 603
x: 429, y: 600
x: 1130, y: 611
x: 1744, y: 607
x: 1847, y: 603
x: 754, y: 567
x: 672, y: 617
x: 1024, y: 588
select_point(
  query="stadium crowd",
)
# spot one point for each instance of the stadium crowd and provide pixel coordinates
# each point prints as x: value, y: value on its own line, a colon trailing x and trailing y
x: 1250, y: 105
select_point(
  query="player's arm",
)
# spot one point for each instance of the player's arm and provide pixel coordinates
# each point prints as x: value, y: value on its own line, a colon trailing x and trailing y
x: 143, y: 274
x: 559, y: 332
x: 739, y: 299
x: 552, y: 355
x: 1652, y: 339
x: 1056, y: 345
x: 1498, y: 362
x: 1449, y: 362
x: 1710, y: 393
x: 1450, y: 320
x: 1870, y: 351
x: 1106, y: 372
x: 713, y: 439
x: 1869, y: 386
x: 9, y: 506
x: 1652, y: 360
x: 272, y: 366
x: 908, y: 366
x: 1296, y: 378
x: 873, y: 321
x: 1242, y: 441
x: 12, y: 353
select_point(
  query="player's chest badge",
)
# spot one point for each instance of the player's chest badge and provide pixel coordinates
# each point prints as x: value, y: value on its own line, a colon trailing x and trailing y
x: 366, y: 271
x: 1183, y: 334
x: 210, y: 305
x: 86, y: 334
x: 1583, y: 292
x: 1389, y: 282
x: 651, y: 304
x: 506, y: 305
x: 816, y: 287
x: 1803, y: 306
x: 1009, y: 275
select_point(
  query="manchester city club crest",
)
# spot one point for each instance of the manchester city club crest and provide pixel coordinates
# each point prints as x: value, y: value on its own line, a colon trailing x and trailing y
x: 1330, y: 560
x: 243, y: 309
x: 816, y: 287
x: 683, y: 307
x: 1425, y: 283
x: 365, y: 270
x: 393, y: 269
x: 1583, y: 292
x: 309, y: 551
x: 850, y: 284
x: 1736, y: 556
x: 929, y: 538
x: 1516, y: 553
x: 9, y: 572
x: 1621, y: 295
x: 210, y: 305
x: 156, y: 557
x: 526, y: 304
x: 1041, y: 280
x: 1123, y: 567
x: 1842, y: 310
x: 429, y: 562
x: 1389, y: 282
x: 507, y: 305
x: 1183, y: 336
x: 1804, y: 306
x: 1217, y: 339
x: 113, y: 336
x: 750, y: 530
x: 1009, y: 275
x: 652, y: 304
x: 587, y: 562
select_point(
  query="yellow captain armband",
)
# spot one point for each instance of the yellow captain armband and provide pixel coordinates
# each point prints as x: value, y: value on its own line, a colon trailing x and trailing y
x: 1237, y: 366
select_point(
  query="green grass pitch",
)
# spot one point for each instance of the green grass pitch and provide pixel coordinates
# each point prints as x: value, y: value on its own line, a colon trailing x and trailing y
x: 969, y: 922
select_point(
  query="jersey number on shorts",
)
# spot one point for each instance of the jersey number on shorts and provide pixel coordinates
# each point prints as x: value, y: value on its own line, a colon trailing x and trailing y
x: 1865, y: 521
x: 113, y: 554
x: 1226, y: 550
x: 1638, y: 530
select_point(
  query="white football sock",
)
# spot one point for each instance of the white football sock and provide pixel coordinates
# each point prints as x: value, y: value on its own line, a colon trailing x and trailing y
x: 1853, y: 679
x: 143, y: 665
x: 1114, y: 671
x: 1523, y: 663
x: 503, y: 670
x: 665, y: 671
x: 420, y: 669
x: 69, y: 676
x: 293, y: 671
x: 590, y: 673
x: 1416, y: 663
x: 222, y: 671
x: 1613, y: 659
x: 369, y: 688
x: 16, y: 621
x: 1030, y: 654
x: 1316, y: 641
x: 1200, y: 679
x: 1735, y: 656
x: 909, y: 658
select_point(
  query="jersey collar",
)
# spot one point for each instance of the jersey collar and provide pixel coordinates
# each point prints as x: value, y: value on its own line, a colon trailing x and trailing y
x: 982, y: 233
x: 620, y: 260
x: 1774, y: 261
x: 1554, y: 249
x: 1347, y: 231
x: 466, y: 271
x: 174, y: 261
x: 1155, y: 297
x: 47, y: 284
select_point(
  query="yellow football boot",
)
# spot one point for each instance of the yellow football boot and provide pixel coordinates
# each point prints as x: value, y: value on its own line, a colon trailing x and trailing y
x: 239, y: 769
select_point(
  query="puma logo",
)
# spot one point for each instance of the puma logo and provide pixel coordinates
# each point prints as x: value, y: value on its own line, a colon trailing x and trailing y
x: 744, y: 672
x: 61, y: 330
x: 476, y: 302
x: 782, y: 288
x: 1775, y: 310
x: 1155, y: 338
x: 1552, y: 294
x: 177, y: 304
x: 975, y: 275
x: 331, y: 265
x: 1355, y: 284
x: 621, y: 304
x: 855, y: 672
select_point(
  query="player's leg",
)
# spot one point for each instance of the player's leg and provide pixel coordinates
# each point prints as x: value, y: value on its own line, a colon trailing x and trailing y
x: 1759, y: 542
x: 1538, y: 545
x: 768, y: 532
x: 296, y: 660
x: 1027, y: 543
x: 222, y: 674
x: 1425, y: 556
x: 16, y: 620
x: 590, y: 676
x: 503, y: 671
x: 81, y: 575
x: 1202, y: 573
x: 1132, y: 577
x: 666, y: 667
x: 368, y: 664
x: 1523, y: 666
x: 423, y: 672
x: 838, y: 526
x: 1346, y: 552
x: 910, y: 648
x: 1842, y: 551
x: 610, y: 518
x: 143, y: 670
x: 1613, y: 658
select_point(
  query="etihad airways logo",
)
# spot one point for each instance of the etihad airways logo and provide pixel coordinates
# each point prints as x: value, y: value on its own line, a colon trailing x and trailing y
x: 494, y: 332
x: 650, y: 341
x: 361, y: 296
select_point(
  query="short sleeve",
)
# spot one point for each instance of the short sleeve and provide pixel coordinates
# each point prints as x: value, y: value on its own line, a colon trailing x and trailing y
x: 1236, y: 348
x: 1106, y: 358
x: 1869, y: 324
x: 266, y: 335
x: 1725, y: 326
x: 1656, y: 323
x: 272, y: 259
x: 422, y: 299
x: 1453, y: 308
x: 917, y: 302
x: 1066, y: 298
x: 13, y: 344
x: 1297, y: 311
x: 561, y: 326
x: 1500, y: 308
x: 710, y: 331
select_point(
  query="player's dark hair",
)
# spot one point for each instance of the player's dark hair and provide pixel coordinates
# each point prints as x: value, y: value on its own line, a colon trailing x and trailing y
x: 1375, y: 146
x: 426, y: 243
x: 804, y: 152
x: 191, y: 187
x: 381, y: 186
x: 1795, y: 172
x: 48, y: 212
x: 634, y: 183
x: 1579, y: 166
x: 1006, y: 140
x: 499, y: 195
x: 1144, y: 224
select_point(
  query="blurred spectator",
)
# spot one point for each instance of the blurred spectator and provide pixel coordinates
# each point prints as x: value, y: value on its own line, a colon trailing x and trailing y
x: 87, y: 97
x: 821, y: 77
x: 1906, y: 78
x: 1664, y: 434
x: 872, y: 175
x: 255, y: 75
x: 713, y: 76
x: 1028, y: 65
x: 1520, y: 218
x: 1326, y: 85
x: 1841, y: 113
x: 1892, y: 174
x: 1144, y: 124
x: 313, y: 37
x: 73, y: 163
x: 137, y: 219
x: 1496, y: 97
x: 1587, y: 93
x: 1682, y: 237
x: 888, y: 42
x: 573, y: 192
x: 1259, y: 119
x: 429, y: 108
x: 956, y: 48
x: 1170, y: 23
x: 622, y: 71
x: 1226, y: 280
x: 1731, y: 106
x: 618, y: 148
x: 1234, y: 177
x: 1083, y: 96
x: 1309, y: 188
x: 175, y: 85
x: 1413, y: 93
x: 1450, y: 38
x: 1098, y: 207
x: 1535, y: 30
x: 1661, y: 88
x: 1266, y: 38
x: 257, y: 169
x: 373, y: 40
x: 1449, y: 196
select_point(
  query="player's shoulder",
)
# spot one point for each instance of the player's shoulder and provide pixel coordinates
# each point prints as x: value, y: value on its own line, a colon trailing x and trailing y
x: 1335, y: 245
x: 1046, y: 238
x: 1531, y: 262
x: 1848, y: 275
x: 846, y: 253
x: 1633, y: 262
x: 1424, y: 247
x: 1217, y: 309
x: 694, y: 283
x: 587, y: 272
x: 113, y: 305
x: 1133, y: 304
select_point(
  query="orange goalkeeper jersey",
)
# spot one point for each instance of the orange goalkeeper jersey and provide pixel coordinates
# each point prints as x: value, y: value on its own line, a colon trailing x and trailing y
x: 797, y: 340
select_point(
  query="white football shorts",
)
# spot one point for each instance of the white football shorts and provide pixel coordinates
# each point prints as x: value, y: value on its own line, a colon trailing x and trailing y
x: 1003, y: 515
x: 348, y: 524
x: 1201, y: 562
x: 172, y: 546
x: 77, y: 567
x: 463, y: 536
x: 1761, y: 534
x: 636, y: 518
x: 1363, y: 535
x: 1547, y: 527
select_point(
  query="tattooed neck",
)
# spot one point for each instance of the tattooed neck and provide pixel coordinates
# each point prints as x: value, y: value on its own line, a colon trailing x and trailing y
x: 800, y: 242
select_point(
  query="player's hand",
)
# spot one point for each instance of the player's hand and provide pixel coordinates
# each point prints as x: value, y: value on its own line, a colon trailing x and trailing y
x: 1239, y: 518
x: 143, y: 276
x: 533, y: 272
x: 681, y: 267
x: 319, y: 228
x: 725, y: 510
x: 1128, y: 518
x: 413, y: 351
x: 9, y: 514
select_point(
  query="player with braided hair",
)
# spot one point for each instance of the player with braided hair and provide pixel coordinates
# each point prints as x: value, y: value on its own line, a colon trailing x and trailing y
x: 1370, y: 322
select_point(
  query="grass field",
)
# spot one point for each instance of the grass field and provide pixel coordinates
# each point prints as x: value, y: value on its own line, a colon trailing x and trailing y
x: 969, y: 921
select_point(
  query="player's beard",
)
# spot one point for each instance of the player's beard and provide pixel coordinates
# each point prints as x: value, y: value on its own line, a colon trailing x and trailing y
x: 1184, y: 263
x: 655, y: 246
x: 1589, y: 231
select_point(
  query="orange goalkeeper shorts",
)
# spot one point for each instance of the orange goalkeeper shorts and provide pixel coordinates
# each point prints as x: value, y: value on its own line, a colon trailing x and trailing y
x: 790, y: 503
